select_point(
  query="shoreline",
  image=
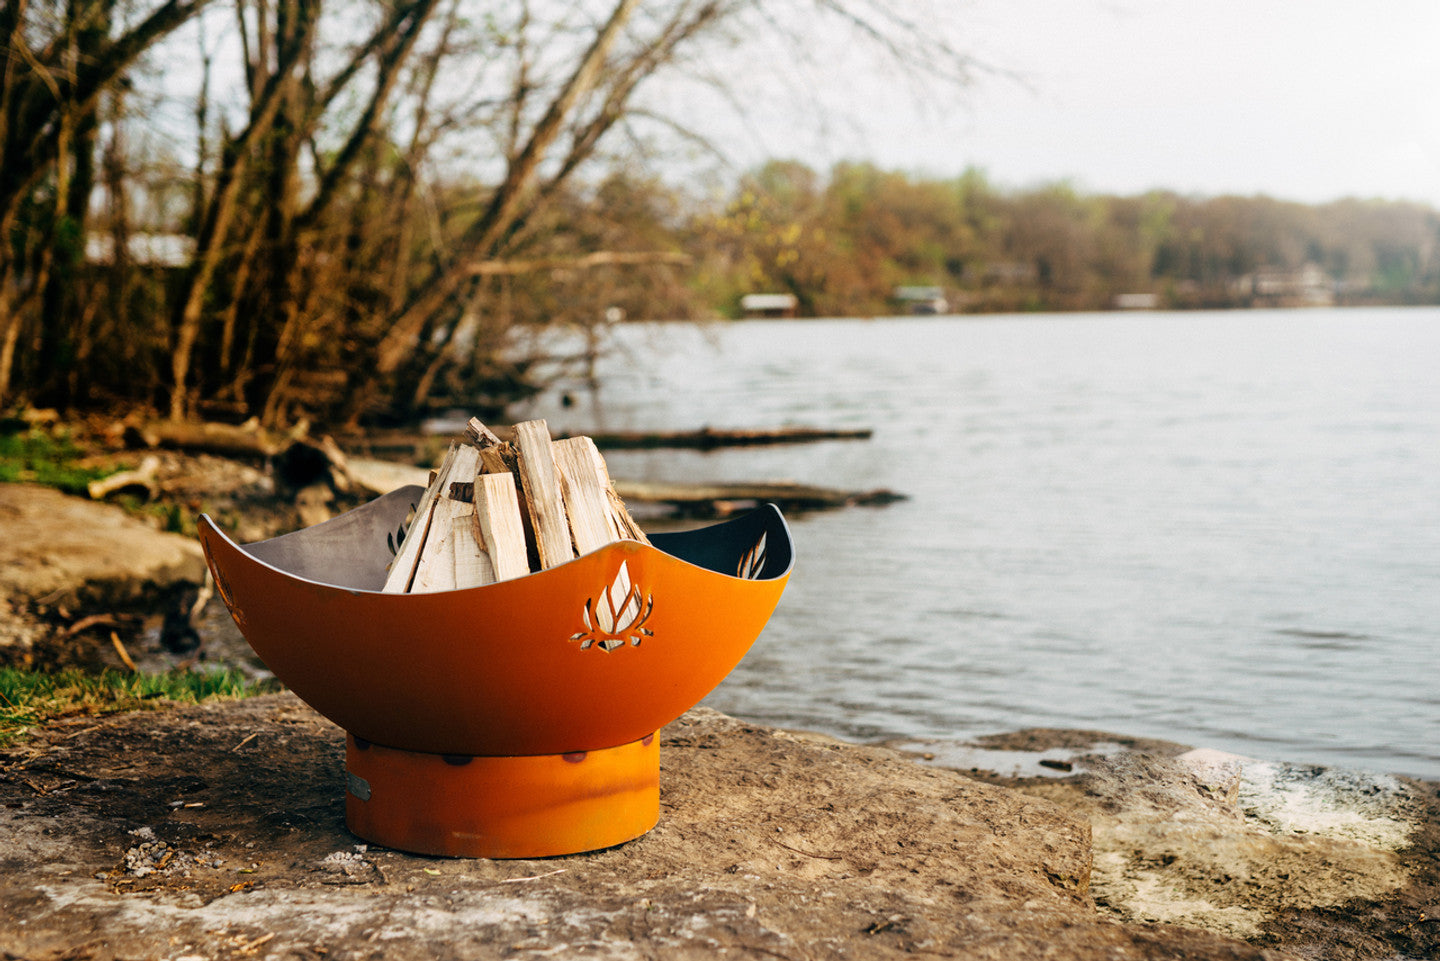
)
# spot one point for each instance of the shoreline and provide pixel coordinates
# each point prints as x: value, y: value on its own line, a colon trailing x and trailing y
x: 219, y: 827
x: 69, y: 561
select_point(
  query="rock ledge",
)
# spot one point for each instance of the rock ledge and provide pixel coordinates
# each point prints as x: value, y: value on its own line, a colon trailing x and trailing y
x: 217, y: 831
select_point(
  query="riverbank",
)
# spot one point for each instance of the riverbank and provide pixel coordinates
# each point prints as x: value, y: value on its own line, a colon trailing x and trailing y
x: 218, y: 831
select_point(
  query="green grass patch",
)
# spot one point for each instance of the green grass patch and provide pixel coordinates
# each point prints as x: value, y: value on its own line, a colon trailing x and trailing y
x: 30, y: 699
x: 37, y: 456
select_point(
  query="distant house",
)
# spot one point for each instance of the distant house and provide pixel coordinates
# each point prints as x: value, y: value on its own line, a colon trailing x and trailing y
x: 769, y: 305
x: 1004, y: 273
x: 1310, y: 286
x: 923, y: 300
x: 1137, y: 301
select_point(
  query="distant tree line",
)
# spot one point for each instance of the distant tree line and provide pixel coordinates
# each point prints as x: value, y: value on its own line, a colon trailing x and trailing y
x: 360, y: 209
x: 843, y: 244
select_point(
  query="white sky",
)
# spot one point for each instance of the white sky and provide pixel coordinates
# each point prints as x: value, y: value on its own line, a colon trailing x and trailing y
x: 1307, y: 100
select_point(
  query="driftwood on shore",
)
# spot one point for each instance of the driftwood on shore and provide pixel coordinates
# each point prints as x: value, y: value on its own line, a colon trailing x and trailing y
x: 407, y: 445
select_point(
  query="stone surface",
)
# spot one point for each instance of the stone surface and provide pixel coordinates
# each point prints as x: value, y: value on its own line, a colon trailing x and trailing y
x: 59, y: 552
x: 57, y: 547
x: 218, y: 831
x: 1327, y: 862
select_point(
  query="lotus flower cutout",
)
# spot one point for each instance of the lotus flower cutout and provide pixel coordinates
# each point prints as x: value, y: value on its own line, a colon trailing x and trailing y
x: 753, y: 561
x: 618, y: 615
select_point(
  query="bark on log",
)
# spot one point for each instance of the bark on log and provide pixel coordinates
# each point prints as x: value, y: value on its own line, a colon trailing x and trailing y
x: 208, y: 438
x: 450, y: 556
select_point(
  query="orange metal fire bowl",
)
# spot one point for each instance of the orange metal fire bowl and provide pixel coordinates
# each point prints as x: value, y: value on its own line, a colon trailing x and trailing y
x: 516, y: 719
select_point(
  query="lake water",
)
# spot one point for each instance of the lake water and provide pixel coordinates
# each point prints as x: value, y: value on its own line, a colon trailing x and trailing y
x: 1221, y: 529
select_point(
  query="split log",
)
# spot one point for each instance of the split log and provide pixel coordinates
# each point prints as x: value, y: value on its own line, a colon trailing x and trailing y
x: 587, y: 504
x: 498, y: 527
x: 402, y: 568
x: 451, y: 556
x: 496, y: 456
x: 543, y: 502
x: 578, y: 456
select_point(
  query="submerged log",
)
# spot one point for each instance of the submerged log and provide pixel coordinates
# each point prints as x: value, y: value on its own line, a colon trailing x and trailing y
x: 707, y: 438
x: 721, y: 499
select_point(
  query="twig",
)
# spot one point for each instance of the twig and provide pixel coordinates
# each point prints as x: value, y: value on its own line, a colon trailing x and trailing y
x: 202, y: 597
x: 247, y: 740
x: 94, y: 620
x: 257, y: 942
x: 124, y: 654
x: 534, y: 877
x: 822, y: 857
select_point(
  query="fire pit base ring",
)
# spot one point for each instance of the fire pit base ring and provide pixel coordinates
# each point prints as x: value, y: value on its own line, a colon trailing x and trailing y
x: 501, y: 807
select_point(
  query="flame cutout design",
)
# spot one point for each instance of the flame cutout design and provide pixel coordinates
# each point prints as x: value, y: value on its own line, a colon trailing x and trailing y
x: 753, y: 561
x: 618, y: 615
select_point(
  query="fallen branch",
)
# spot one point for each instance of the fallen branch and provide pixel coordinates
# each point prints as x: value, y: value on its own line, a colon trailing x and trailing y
x: 123, y: 653
x: 143, y: 478
x: 707, y: 438
x: 245, y: 442
x: 722, y: 496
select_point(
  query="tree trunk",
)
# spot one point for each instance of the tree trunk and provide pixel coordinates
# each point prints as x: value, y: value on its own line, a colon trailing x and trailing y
x: 224, y: 205
x: 498, y: 217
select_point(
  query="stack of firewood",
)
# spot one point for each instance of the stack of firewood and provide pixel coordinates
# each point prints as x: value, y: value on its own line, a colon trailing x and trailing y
x: 496, y: 510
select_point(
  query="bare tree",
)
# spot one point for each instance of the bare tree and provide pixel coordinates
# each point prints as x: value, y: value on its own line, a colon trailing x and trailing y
x: 58, y: 60
x: 388, y: 184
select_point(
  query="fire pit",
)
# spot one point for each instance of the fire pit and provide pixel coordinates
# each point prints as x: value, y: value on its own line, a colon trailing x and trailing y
x: 515, y: 719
